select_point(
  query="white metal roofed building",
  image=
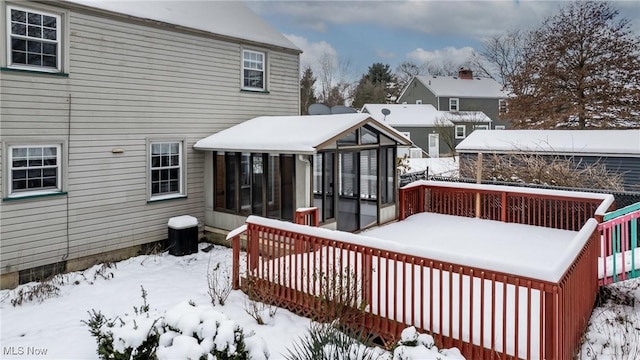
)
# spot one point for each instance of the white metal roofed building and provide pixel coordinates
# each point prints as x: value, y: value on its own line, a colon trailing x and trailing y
x: 344, y: 164
x: 425, y: 125
x: 102, y: 102
x: 618, y: 150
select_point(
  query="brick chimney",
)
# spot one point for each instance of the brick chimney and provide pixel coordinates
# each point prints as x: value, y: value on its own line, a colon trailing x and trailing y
x: 466, y: 74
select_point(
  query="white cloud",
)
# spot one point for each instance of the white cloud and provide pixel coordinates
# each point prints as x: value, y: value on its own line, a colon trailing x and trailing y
x: 385, y: 54
x: 440, y: 57
x: 475, y: 19
x: 313, y: 52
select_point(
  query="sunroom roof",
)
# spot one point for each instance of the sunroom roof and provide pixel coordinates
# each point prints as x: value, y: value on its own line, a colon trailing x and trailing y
x: 292, y: 134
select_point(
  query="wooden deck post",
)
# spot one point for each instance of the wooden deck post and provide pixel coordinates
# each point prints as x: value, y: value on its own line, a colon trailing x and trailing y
x: 235, y: 272
x: 478, y: 181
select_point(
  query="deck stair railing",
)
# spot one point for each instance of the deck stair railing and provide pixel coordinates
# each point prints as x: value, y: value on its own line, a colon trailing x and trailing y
x: 619, y: 251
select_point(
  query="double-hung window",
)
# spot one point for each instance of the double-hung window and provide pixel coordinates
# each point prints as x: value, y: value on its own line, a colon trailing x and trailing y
x: 166, y: 169
x: 34, y: 169
x: 460, y: 131
x: 253, y: 70
x: 454, y: 104
x: 34, y: 39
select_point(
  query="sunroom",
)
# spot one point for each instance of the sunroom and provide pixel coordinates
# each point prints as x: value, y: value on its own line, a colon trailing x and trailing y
x: 344, y: 164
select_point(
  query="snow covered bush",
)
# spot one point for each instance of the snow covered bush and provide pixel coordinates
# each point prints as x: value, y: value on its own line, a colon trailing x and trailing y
x: 130, y: 337
x: 327, y: 342
x: 413, y: 345
x: 186, y: 331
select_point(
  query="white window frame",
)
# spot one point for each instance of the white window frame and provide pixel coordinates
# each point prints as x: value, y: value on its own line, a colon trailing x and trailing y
x: 482, y: 127
x: 407, y: 134
x: 453, y: 107
x: 151, y: 168
x: 419, y: 102
x: 499, y: 127
x: 264, y: 69
x: 41, y: 191
x: 58, y: 41
x: 464, y: 131
x: 502, y: 104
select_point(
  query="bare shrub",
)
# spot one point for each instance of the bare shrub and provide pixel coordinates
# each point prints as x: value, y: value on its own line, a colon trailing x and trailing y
x: 38, y: 292
x: 543, y: 170
x: 219, y: 283
x: 340, y: 297
x: 260, y: 301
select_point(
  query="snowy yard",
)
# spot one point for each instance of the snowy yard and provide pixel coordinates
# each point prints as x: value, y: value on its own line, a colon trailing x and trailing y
x: 53, y: 328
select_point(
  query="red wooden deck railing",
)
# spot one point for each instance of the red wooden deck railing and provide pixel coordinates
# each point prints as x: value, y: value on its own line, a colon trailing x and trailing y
x: 486, y: 314
x: 307, y: 216
x: 554, y: 209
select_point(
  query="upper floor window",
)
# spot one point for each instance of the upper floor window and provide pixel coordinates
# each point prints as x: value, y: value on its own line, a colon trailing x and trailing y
x: 482, y: 127
x: 33, y: 39
x: 460, y: 131
x: 34, y: 169
x: 253, y: 66
x: 502, y: 106
x: 499, y: 127
x: 166, y: 169
x: 454, y: 104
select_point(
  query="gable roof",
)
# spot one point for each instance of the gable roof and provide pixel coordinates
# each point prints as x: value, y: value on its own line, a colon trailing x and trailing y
x: 596, y: 142
x: 453, y: 86
x: 305, y: 134
x: 421, y: 115
x: 228, y: 18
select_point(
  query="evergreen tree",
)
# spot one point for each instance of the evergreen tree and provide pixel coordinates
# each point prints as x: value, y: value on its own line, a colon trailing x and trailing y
x: 377, y: 86
x: 307, y: 90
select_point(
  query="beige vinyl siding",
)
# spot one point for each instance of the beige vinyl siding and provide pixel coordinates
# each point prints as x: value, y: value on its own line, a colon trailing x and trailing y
x: 129, y: 83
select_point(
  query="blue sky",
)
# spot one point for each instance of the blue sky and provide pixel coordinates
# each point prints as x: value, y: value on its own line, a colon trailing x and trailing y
x: 364, y: 32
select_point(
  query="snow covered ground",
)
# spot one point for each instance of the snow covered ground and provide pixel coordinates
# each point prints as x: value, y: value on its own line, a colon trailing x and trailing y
x: 53, y: 328
x: 444, y: 166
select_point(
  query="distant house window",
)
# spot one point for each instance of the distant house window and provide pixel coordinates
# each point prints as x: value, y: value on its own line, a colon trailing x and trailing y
x: 460, y: 131
x: 166, y: 169
x: 406, y: 134
x: 253, y: 65
x: 482, y: 127
x: 418, y: 102
x: 33, y: 39
x: 502, y: 106
x: 34, y: 169
x: 454, y: 104
x: 499, y: 127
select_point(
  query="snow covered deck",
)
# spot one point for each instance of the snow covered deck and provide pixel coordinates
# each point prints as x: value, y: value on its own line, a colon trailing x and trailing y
x: 518, y: 281
x: 530, y: 251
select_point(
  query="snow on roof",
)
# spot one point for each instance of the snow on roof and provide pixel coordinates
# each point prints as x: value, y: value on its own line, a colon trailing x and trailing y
x: 291, y: 134
x: 597, y: 142
x: 420, y: 115
x: 453, y: 86
x: 228, y: 18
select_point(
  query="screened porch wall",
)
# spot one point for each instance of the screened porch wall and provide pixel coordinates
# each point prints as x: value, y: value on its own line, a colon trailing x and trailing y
x: 219, y: 217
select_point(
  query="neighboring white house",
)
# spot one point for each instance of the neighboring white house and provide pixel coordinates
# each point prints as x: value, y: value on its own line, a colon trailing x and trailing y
x: 102, y: 102
x: 425, y: 125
